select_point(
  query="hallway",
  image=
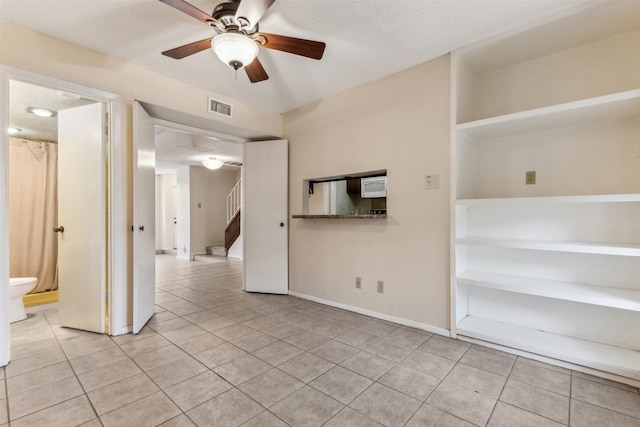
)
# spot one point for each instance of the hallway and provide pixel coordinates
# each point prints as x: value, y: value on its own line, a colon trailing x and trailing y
x: 213, y: 355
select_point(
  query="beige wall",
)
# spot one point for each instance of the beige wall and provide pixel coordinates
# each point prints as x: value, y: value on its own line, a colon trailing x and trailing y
x: 208, y: 199
x: 165, y: 184
x: 399, y: 123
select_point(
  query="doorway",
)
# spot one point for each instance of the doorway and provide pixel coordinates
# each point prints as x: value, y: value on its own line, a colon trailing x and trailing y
x: 65, y: 129
x: 191, y: 200
x: 48, y: 187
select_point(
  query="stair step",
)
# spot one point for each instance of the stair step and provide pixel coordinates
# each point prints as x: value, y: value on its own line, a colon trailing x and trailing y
x: 208, y: 258
x: 216, y: 250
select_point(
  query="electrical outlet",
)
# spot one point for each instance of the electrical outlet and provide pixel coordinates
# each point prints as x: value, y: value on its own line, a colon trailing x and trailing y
x: 358, y: 282
x: 380, y: 286
x: 530, y: 177
x: 431, y: 182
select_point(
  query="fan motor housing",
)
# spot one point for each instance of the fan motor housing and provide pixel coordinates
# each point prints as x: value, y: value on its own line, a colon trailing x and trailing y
x: 225, y: 15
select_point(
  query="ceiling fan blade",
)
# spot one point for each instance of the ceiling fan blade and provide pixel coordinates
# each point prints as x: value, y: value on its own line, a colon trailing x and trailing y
x: 253, y: 10
x: 302, y: 47
x: 256, y: 72
x: 190, y: 10
x: 188, y: 49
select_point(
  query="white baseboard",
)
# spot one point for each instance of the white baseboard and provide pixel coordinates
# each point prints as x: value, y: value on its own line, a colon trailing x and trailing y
x: 554, y: 362
x: 375, y: 314
x: 123, y: 331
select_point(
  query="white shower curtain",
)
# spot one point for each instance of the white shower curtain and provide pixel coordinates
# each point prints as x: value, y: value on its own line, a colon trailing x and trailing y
x: 33, y: 212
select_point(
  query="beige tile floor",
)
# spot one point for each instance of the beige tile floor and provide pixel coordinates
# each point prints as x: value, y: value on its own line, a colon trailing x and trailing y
x: 213, y: 355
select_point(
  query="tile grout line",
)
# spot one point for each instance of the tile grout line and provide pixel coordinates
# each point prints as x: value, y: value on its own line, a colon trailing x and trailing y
x: 233, y: 386
x: 72, y: 369
x: 6, y: 393
x: 440, y: 382
x: 502, y: 389
x: 570, y: 396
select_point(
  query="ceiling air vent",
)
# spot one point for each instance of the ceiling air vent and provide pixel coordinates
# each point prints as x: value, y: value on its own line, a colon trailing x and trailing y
x: 219, y: 107
x: 234, y: 164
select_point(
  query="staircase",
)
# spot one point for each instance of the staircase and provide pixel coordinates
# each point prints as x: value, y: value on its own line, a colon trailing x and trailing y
x: 215, y: 253
x: 232, y: 232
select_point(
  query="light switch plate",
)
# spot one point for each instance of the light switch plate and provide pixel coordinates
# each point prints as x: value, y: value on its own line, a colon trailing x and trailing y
x: 530, y: 177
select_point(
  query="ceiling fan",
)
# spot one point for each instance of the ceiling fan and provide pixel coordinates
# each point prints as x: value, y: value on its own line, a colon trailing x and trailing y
x: 238, y: 38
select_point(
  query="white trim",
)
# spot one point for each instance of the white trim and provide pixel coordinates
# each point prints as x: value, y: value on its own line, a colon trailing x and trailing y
x: 124, y: 330
x: 118, y: 221
x: 4, y: 218
x: 194, y: 130
x: 375, y: 314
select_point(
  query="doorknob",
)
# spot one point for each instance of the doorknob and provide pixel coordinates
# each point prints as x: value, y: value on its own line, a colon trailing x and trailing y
x: 58, y: 229
x: 282, y: 224
x: 141, y: 228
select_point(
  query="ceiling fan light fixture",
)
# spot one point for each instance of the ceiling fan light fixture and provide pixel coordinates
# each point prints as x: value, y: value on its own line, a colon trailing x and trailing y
x: 14, y: 130
x: 234, y: 49
x: 212, y: 163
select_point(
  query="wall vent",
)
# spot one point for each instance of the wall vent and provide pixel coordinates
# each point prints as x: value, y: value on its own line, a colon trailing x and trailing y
x: 219, y: 107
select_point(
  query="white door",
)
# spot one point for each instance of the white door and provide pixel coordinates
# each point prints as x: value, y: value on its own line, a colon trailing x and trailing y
x: 144, y: 218
x: 264, y: 217
x: 82, y: 246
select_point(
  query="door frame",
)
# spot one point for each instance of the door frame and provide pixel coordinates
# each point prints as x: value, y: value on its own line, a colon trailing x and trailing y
x: 116, y: 189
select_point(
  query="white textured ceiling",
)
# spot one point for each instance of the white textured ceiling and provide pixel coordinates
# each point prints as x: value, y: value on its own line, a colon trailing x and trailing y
x: 175, y: 148
x: 24, y: 95
x: 366, y: 39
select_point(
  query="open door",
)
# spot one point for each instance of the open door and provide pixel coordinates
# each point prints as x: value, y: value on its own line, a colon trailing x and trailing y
x: 82, y: 222
x: 264, y: 213
x: 144, y: 218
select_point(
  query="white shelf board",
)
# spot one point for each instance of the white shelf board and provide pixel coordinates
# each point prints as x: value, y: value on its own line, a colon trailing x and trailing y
x: 620, y: 249
x: 596, y: 198
x: 609, y: 107
x: 618, y: 360
x: 626, y: 299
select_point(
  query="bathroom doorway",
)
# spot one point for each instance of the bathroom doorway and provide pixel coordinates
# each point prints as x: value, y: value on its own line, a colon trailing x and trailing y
x: 57, y: 207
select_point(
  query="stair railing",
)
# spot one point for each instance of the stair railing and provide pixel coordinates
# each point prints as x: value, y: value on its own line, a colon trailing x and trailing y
x: 233, y: 202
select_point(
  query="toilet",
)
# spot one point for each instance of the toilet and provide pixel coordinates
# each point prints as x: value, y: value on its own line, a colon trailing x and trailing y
x: 18, y: 287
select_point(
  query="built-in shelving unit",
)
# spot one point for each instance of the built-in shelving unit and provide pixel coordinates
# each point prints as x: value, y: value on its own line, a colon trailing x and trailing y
x: 550, y: 268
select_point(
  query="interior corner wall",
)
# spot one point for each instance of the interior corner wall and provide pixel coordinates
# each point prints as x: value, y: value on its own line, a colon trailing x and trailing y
x: 159, y: 212
x: 164, y: 210
x: 400, y: 123
x: 208, y: 211
x: 183, y: 214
